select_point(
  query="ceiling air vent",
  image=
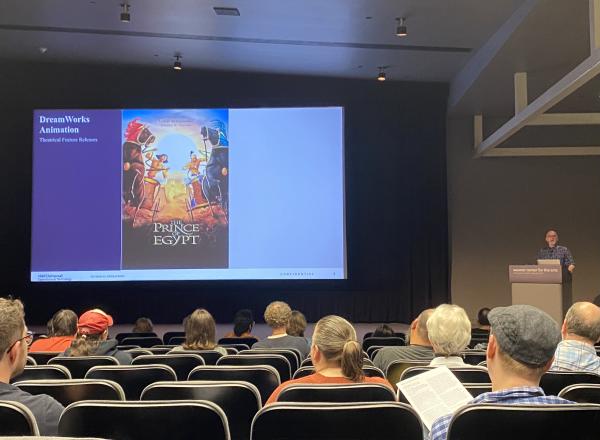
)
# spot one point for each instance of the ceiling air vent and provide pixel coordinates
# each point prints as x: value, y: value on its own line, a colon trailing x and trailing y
x: 235, y: 12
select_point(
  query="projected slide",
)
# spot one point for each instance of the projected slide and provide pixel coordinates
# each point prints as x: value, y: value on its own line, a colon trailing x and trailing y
x: 184, y: 194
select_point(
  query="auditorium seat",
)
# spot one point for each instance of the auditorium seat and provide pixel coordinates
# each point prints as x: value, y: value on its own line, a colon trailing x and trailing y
x: 396, y: 334
x: 468, y: 374
x: 177, y: 340
x: 356, y: 392
x: 30, y: 361
x: 368, y: 370
x: 231, y: 350
x: 396, y: 368
x: 337, y: 421
x: 277, y: 361
x: 388, y: 341
x: 42, y: 357
x: 247, y: 341
x: 42, y: 372
x: 16, y: 419
x: 67, y: 391
x: 553, y: 382
x: 142, y: 341
x: 135, y: 352
x: 582, y: 393
x: 473, y: 357
x: 133, y: 378
x: 79, y: 365
x: 264, y: 377
x: 121, y: 336
x: 238, y: 347
x: 547, y: 422
x: 181, y: 363
x: 293, y: 356
x: 239, y: 400
x: 159, y: 350
x: 150, y: 420
x: 168, y: 335
x: 127, y: 347
x: 373, y: 350
x: 210, y: 357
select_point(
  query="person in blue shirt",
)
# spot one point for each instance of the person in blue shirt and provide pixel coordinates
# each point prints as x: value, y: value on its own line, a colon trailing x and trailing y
x: 553, y: 251
x: 520, y: 350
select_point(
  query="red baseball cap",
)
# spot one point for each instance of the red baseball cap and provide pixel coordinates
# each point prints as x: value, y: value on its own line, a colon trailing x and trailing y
x: 94, y: 321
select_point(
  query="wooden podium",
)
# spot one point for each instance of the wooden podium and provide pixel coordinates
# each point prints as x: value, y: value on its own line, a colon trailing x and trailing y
x: 545, y: 286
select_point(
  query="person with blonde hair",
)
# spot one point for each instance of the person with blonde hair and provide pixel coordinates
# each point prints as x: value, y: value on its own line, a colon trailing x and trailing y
x: 277, y: 316
x: 200, y: 330
x: 336, y: 355
x: 297, y: 324
x: 449, y: 331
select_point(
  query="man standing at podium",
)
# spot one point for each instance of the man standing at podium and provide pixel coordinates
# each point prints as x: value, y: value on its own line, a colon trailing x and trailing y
x: 555, y: 252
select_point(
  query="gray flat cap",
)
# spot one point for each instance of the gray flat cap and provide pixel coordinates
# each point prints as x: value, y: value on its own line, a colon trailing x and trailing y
x: 525, y: 333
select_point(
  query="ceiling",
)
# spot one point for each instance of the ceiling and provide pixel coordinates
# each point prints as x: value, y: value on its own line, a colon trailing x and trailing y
x: 311, y: 37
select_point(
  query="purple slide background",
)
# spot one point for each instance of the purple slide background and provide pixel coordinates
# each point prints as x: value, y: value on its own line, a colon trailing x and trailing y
x: 76, y: 218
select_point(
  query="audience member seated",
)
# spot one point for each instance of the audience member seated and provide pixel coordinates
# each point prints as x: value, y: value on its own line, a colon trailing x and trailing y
x: 597, y: 300
x: 336, y: 355
x: 200, y: 330
x: 383, y: 331
x: 297, y: 325
x: 419, y: 348
x: 62, y: 329
x: 243, y: 321
x: 277, y: 316
x: 14, y: 339
x: 483, y: 321
x: 449, y: 330
x: 92, y: 338
x: 521, y: 348
x: 143, y: 325
x: 580, y: 331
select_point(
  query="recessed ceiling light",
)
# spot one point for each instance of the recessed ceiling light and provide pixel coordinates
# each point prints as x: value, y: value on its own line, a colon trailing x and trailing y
x: 125, y: 14
x: 234, y: 12
x: 401, y: 29
x: 177, y: 64
x: 382, y: 77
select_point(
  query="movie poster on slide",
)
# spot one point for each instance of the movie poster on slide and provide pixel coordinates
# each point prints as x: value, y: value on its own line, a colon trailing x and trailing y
x: 175, y: 189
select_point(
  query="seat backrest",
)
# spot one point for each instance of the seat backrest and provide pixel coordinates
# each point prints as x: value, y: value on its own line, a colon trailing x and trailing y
x: 135, y: 352
x: 181, y: 363
x: 168, y: 335
x: 469, y: 374
x: 210, y: 357
x: 239, y: 400
x: 42, y: 357
x: 396, y: 368
x: 582, y: 393
x: 177, y: 340
x: 246, y: 341
x: 127, y: 347
x: 238, y: 347
x: 42, y: 372
x: 133, y: 378
x: 356, y: 392
x: 159, y: 350
x: 67, y: 391
x: 373, y: 350
x: 143, y: 341
x: 150, y: 420
x: 548, y: 422
x: 79, y: 365
x: 554, y: 381
x: 16, y: 419
x: 293, y: 356
x: 337, y: 421
x: 389, y: 341
x: 121, y: 336
x: 264, y: 377
x: 231, y: 350
x: 30, y: 361
x: 277, y: 361
x: 473, y: 357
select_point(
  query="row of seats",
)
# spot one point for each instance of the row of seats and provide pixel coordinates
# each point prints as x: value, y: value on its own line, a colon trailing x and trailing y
x: 171, y: 338
x: 159, y: 419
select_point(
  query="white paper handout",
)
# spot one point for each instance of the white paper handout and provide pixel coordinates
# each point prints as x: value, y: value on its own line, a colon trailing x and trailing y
x: 434, y: 394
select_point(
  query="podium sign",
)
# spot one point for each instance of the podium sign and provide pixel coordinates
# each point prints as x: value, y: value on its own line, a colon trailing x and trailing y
x: 537, y: 274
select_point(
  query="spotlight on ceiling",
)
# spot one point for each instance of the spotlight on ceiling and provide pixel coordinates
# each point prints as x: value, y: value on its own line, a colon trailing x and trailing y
x: 177, y: 64
x: 381, y: 76
x: 401, y: 29
x: 125, y: 14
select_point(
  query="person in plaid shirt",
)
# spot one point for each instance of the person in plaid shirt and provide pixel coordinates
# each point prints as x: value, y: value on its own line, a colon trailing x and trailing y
x: 555, y: 252
x: 580, y: 331
x: 520, y: 350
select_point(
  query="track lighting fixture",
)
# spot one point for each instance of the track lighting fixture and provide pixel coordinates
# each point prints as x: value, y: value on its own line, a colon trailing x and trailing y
x: 381, y: 76
x: 401, y: 29
x: 125, y: 14
x: 177, y: 64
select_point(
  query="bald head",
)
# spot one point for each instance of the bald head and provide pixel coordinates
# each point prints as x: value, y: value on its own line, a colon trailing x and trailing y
x: 583, y: 320
x: 422, y: 323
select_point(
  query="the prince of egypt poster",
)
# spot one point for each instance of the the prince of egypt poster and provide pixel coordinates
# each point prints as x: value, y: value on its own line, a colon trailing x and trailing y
x: 175, y: 180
